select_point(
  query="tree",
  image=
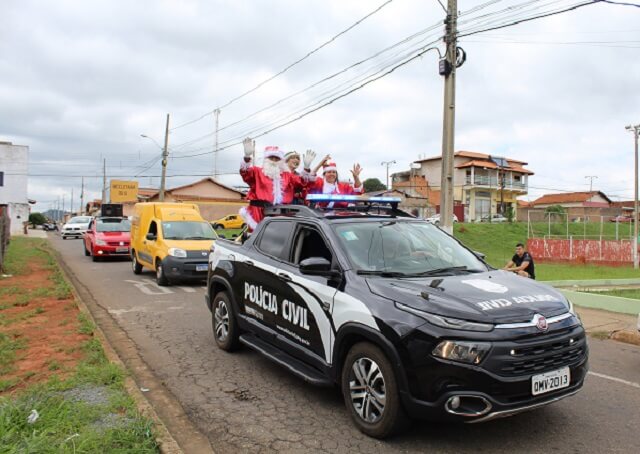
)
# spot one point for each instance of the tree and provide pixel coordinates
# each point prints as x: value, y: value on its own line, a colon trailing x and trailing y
x: 373, y: 184
x: 554, y: 210
x: 37, y: 219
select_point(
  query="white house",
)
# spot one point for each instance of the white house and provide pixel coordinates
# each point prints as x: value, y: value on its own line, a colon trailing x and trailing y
x: 14, y: 165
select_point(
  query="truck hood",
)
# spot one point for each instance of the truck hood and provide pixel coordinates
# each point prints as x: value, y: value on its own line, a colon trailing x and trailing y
x: 492, y: 297
x: 190, y: 245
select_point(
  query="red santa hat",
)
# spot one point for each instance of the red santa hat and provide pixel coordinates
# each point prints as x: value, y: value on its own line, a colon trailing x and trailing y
x: 273, y: 152
x: 330, y: 165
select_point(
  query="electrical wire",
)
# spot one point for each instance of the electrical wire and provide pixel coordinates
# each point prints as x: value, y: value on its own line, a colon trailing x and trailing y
x: 288, y: 67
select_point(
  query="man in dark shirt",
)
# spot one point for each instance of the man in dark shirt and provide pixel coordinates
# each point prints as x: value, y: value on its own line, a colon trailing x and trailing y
x: 521, y: 263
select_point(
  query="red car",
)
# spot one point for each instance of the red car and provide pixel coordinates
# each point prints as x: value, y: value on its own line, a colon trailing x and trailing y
x: 107, y: 237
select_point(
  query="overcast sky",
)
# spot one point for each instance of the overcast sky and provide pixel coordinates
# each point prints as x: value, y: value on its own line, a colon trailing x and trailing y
x: 80, y: 81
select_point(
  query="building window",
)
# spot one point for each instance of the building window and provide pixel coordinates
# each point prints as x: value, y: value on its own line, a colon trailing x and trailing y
x: 1, y: 178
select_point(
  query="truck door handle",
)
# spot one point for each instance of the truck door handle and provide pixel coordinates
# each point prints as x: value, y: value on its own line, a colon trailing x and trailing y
x: 284, y: 277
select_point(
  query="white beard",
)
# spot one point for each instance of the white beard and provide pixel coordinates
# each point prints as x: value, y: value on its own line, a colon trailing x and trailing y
x: 272, y: 169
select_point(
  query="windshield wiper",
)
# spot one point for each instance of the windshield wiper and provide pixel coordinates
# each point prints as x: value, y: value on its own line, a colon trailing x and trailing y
x: 381, y: 273
x: 447, y: 269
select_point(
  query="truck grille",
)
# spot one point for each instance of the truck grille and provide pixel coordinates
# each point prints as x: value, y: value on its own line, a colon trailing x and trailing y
x: 515, y: 359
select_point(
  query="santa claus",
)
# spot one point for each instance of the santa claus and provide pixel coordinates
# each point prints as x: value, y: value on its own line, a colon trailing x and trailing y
x: 329, y: 183
x: 271, y: 184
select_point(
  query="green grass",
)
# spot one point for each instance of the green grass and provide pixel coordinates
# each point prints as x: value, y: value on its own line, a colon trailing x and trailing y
x: 20, y: 252
x: 9, y: 345
x: 69, y: 424
x: 498, y: 242
x: 86, y: 325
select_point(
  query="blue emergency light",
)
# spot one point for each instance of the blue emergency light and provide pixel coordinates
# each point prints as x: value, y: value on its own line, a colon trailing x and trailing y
x: 350, y: 198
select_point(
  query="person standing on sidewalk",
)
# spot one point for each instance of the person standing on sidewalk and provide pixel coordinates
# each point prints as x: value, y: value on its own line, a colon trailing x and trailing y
x: 521, y: 263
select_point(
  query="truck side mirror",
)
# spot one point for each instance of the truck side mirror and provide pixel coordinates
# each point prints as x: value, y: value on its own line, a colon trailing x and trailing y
x: 151, y: 237
x: 317, y: 266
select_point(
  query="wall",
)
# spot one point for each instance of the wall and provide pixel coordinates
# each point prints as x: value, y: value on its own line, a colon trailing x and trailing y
x: 14, y: 159
x: 581, y: 251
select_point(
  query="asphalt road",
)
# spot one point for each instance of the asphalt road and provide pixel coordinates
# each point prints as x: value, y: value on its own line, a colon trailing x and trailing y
x: 244, y: 403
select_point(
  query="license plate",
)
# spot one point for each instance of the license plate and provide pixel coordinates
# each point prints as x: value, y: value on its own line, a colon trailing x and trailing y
x: 202, y: 267
x: 551, y: 381
x: 122, y: 249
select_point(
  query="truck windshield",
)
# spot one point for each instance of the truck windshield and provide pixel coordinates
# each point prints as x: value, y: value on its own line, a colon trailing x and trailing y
x: 80, y: 220
x: 188, y: 230
x: 114, y: 225
x: 405, y: 249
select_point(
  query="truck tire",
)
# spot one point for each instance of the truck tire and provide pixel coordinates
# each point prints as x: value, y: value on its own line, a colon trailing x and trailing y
x: 137, y: 268
x: 370, y: 391
x: 161, y: 278
x: 223, y: 321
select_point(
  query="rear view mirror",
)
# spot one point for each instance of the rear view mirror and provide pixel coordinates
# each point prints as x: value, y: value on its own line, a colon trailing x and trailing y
x: 151, y: 237
x: 221, y: 235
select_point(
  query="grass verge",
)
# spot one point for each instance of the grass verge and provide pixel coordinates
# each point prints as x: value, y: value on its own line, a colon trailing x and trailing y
x: 53, y: 369
x: 498, y: 242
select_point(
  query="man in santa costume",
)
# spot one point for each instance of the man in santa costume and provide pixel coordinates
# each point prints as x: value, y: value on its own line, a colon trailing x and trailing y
x: 329, y: 183
x: 271, y: 184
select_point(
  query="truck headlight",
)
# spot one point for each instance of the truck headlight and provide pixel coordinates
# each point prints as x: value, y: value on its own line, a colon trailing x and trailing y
x: 177, y: 252
x: 462, y: 351
x: 447, y: 322
x: 101, y: 243
x: 571, y: 308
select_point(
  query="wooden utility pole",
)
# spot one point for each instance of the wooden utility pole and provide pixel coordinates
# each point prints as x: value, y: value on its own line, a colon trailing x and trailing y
x: 165, y: 154
x: 448, y: 70
x: 71, y: 203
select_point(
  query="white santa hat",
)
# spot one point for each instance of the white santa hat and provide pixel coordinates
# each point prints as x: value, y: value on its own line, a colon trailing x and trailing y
x: 273, y: 152
x: 329, y: 166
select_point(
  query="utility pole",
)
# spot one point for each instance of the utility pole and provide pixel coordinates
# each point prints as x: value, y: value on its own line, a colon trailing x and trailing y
x: 591, y: 177
x: 82, y: 198
x: 216, y: 115
x: 387, y: 163
x: 165, y: 154
x: 62, y: 207
x: 448, y: 70
x: 71, y: 203
x: 104, y: 182
x: 636, y: 131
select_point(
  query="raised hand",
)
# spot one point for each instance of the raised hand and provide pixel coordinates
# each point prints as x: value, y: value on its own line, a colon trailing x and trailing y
x: 308, y: 158
x: 249, y: 147
x: 356, y: 171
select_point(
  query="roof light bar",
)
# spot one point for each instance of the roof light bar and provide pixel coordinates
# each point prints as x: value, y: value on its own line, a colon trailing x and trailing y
x: 350, y: 198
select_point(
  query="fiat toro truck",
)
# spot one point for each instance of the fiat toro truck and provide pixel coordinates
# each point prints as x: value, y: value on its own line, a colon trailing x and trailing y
x: 402, y: 316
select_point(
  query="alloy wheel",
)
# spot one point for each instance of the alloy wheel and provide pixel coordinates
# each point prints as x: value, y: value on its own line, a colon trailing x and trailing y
x: 221, y: 320
x: 367, y: 389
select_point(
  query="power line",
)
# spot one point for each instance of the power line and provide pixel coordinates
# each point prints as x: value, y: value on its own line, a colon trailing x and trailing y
x: 288, y: 67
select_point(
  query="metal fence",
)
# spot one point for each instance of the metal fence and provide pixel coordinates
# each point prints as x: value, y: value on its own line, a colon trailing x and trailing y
x: 541, y: 224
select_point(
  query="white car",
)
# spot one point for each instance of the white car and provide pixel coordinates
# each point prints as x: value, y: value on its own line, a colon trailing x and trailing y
x: 76, y: 227
x: 495, y: 218
x: 435, y: 219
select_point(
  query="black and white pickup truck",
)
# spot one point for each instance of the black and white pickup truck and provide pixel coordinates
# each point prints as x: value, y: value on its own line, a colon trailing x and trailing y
x: 403, y: 317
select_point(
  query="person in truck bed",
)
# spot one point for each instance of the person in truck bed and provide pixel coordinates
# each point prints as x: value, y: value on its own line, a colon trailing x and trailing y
x: 271, y: 184
x: 329, y: 183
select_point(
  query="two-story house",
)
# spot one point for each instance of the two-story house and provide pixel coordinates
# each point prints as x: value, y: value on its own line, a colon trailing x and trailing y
x: 484, y: 184
x: 14, y: 164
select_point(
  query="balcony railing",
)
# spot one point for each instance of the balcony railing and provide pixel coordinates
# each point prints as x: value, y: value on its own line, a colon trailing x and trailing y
x: 482, y: 180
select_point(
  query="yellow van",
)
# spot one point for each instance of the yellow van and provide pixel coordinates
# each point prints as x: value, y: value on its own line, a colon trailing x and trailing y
x: 172, y: 239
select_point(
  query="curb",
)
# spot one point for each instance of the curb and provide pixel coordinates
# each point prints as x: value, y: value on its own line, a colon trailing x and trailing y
x: 196, y: 441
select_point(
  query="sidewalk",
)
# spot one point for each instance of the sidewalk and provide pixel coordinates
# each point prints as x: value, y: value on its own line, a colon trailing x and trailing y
x: 605, y: 302
x: 34, y: 233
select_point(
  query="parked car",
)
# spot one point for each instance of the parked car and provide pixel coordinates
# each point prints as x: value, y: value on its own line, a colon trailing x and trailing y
x: 399, y: 314
x: 49, y: 226
x: 75, y: 227
x: 233, y: 221
x: 172, y: 239
x: 435, y: 219
x: 107, y: 236
x: 495, y: 218
x: 621, y: 218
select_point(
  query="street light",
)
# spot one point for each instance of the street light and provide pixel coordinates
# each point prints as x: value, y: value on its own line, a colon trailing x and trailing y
x: 152, y: 139
x: 636, y: 131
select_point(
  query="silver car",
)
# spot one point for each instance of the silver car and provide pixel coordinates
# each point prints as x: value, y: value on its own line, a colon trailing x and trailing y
x: 75, y: 227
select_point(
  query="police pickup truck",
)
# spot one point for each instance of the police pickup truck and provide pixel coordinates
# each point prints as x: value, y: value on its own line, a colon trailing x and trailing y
x: 403, y: 317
